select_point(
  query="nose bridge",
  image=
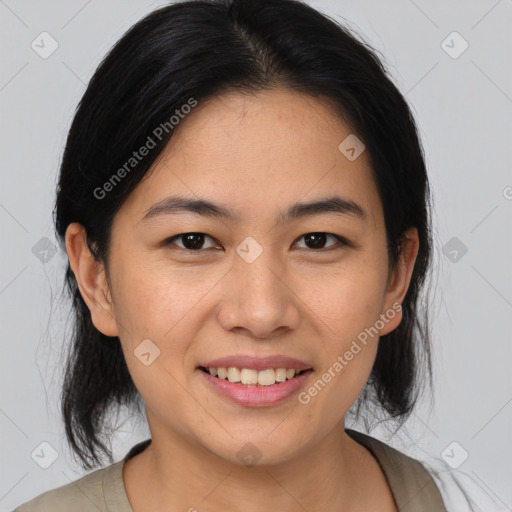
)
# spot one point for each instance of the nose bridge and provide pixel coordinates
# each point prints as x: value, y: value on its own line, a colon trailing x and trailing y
x: 258, y: 279
x: 258, y: 300
x: 260, y: 290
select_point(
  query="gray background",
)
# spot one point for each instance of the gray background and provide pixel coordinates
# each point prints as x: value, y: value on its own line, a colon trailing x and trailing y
x: 463, y: 106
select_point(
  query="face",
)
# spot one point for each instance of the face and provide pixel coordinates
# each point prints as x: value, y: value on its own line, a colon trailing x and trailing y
x: 261, y: 280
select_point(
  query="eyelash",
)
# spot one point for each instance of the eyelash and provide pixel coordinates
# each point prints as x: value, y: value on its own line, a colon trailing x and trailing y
x: 340, y: 239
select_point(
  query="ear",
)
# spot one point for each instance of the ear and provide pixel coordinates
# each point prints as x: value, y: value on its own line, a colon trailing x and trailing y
x: 399, y: 280
x: 91, y: 279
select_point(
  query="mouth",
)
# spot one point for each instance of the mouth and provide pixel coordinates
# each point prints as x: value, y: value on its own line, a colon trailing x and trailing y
x: 253, y: 377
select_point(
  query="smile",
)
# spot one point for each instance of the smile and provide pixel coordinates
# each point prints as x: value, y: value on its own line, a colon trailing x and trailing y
x: 253, y: 377
x: 249, y: 387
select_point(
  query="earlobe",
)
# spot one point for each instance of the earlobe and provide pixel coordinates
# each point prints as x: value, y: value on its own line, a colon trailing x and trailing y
x: 399, y: 280
x: 91, y: 280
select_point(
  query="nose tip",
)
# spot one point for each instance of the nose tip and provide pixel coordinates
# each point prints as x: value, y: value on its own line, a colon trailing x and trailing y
x: 257, y: 301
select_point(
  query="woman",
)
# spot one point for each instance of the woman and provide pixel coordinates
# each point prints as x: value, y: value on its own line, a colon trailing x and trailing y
x: 245, y: 207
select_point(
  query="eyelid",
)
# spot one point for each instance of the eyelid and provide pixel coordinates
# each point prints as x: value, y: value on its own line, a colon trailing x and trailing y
x: 342, y: 240
x: 170, y: 240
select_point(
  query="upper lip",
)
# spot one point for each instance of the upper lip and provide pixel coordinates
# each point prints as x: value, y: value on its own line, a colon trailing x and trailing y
x: 257, y: 363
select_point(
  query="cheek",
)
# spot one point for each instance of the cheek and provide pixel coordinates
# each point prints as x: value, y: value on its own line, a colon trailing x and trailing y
x: 346, y: 300
x: 157, y: 305
x: 346, y: 363
x: 159, y: 314
x: 328, y: 398
x: 348, y: 305
x: 154, y: 303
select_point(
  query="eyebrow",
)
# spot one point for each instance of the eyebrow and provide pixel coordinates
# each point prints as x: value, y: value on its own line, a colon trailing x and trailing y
x: 178, y: 204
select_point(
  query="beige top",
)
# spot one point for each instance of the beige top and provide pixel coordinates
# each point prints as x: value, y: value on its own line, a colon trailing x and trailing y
x: 103, y: 490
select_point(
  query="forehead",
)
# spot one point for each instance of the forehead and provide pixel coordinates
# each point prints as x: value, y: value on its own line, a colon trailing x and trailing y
x: 275, y: 146
x: 290, y: 127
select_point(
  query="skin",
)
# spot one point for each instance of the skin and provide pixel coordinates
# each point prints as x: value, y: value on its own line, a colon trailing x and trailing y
x: 256, y: 154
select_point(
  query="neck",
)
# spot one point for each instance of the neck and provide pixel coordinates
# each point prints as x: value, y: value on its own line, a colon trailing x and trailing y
x: 174, y: 473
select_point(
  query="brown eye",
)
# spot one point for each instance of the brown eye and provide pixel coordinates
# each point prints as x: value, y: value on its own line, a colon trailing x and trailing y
x: 190, y: 241
x: 317, y: 241
x: 195, y: 242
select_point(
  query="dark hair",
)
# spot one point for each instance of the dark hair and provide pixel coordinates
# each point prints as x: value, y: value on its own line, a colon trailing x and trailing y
x: 200, y: 49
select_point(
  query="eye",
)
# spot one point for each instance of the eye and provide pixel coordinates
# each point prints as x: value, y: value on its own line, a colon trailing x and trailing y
x: 316, y: 241
x: 191, y: 241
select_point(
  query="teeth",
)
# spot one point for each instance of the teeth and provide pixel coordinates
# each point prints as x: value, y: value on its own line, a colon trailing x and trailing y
x: 249, y: 376
x: 253, y: 377
x: 280, y: 374
x: 233, y: 375
x: 266, y: 377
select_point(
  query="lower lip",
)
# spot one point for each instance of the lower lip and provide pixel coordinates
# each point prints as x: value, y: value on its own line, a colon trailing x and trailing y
x: 256, y: 396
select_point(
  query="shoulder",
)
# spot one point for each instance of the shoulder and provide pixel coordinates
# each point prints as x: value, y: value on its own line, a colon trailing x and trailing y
x: 411, y: 484
x: 462, y: 491
x: 414, y: 481
x: 83, y: 495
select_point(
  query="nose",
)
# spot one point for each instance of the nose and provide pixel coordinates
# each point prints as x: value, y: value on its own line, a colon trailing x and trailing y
x: 259, y: 302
